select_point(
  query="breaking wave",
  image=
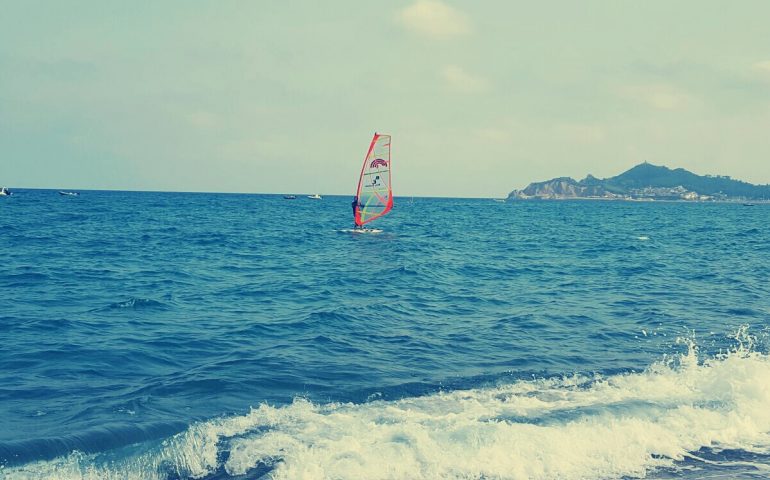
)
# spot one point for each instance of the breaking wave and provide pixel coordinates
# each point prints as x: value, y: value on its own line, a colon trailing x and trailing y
x: 680, y: 414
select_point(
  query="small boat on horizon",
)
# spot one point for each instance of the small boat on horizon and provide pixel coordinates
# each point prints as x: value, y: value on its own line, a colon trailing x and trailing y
x: 289, y: 197
x: 69, y: 194
x: 314, y: 197
x: 5, y: 192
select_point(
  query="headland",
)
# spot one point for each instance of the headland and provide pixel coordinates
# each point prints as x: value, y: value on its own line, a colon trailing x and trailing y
x: 646, y: 182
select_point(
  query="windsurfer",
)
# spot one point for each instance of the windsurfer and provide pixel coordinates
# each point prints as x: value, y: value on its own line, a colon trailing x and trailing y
x: 354, y: 204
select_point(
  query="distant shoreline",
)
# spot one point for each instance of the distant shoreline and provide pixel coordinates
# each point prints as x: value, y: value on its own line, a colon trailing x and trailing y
x: 635, y: 200
x: 646, y: 182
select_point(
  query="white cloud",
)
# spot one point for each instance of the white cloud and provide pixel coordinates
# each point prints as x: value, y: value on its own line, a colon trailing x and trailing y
x: 434, y: 19
x: 658, y: 96
x: 762, y: 66
x: 494, y: 135
x: 459, y: 80
x: 203, y: 120
x: 582, y: 133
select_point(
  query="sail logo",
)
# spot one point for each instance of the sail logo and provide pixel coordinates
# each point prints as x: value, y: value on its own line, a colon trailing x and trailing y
x: 378, y: 162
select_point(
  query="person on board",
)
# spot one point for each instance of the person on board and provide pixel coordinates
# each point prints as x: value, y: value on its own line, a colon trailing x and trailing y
x: 354, y: 204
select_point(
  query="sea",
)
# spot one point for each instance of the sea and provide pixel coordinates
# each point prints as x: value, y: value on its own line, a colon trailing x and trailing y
x: 181, y: 336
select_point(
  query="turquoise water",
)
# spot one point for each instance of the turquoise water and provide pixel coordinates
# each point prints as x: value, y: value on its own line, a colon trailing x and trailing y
x: 171, y: 335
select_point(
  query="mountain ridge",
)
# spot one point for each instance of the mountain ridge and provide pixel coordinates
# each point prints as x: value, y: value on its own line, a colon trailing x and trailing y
x: 645, y: 181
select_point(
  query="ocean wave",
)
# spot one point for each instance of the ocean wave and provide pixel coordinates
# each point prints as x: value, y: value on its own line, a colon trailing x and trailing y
x: 679, y: 413
x: 134, y: 304
x: 24, y: 279
x: 97, y: 439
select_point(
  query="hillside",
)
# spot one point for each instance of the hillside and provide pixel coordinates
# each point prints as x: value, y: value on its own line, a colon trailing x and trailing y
x: 646, y: 181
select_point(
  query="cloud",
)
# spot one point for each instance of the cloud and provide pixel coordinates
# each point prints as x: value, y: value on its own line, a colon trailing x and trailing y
x: 203, y: 120
x: 494, y: 135
x: 658, y: 96
x: 434, y: 19
x: 582, y: 133
x: 762, y: 67
x: 461, y: 81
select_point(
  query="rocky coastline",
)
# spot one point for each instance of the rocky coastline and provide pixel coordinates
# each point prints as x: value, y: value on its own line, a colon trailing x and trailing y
x: 647, y: 182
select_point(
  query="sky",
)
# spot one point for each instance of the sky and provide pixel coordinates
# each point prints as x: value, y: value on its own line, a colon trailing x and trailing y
x: 481, y: 97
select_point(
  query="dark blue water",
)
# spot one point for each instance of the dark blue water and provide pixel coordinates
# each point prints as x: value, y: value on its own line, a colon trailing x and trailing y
x: 171, y: 335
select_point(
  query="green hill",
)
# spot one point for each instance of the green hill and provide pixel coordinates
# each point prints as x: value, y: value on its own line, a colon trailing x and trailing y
x: 648, y: 175
x: 647, y: 181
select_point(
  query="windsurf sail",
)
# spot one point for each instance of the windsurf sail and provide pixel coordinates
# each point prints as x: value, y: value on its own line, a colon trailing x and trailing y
x: 374, y: 195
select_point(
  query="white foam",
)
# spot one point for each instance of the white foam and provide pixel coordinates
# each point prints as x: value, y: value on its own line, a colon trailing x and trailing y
x: 575, y: 427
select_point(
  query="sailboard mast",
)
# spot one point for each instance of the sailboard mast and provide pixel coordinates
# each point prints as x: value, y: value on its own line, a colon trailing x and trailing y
x: 374, y: 195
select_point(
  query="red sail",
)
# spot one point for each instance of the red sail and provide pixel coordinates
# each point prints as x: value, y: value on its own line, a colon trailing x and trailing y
x: 375, y: 197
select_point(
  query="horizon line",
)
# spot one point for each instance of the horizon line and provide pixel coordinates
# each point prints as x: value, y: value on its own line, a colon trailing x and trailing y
x: 228, y: 193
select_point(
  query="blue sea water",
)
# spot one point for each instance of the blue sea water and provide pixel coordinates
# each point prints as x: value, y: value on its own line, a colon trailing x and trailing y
x: 217, y: 336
